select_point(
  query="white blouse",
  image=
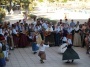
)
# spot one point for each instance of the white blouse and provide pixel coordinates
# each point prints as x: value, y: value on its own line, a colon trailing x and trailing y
x: 57, y: 29
x: 76, y: 28
x: 42, y: 48
x: 1, y: 32
x: 44, y: 25
x: 69, y: 41
x: 49, y: 29
x: 69, y: 30
x: 14, y: 31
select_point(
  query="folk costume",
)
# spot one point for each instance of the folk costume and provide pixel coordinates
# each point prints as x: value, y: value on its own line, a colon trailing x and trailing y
x: 70, y: 54
x: 69, y: 35
x: 10, y: 39
x: 57, y: 35
x: 49, y: 36
x: 77, y: 37
x: 34, y: 44
x: 42, y: 53
x: 23, y: 38
x: 15, y: 36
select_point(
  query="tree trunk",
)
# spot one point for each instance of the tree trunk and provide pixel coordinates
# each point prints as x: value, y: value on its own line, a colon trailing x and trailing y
x: 10, y: 1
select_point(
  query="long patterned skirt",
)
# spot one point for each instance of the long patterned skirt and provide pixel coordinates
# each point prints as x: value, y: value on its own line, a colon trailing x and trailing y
x: 77, y: 40
x: 15, y: 40
x: 23, y: 40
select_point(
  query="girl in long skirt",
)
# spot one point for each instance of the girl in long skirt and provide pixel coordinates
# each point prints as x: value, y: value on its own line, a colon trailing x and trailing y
x: 34, y: 45
x: 70, y: 54
x: 42, y: 53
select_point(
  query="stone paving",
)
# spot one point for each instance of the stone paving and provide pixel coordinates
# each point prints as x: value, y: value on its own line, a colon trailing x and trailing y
x: 24, y: 57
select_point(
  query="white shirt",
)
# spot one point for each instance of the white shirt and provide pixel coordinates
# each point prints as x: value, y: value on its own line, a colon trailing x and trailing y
x: 61, y: 27
x: 44, y: 25
x: 69, y: 30
x: 57, y: 29
x: 76, y: 28
x: 42, y: 48
x: 69, y: 41
x: 1, y: 32
x: 49, y: 29
x: 34, y: 22
x: 14, y: 31
x: 1, y: 45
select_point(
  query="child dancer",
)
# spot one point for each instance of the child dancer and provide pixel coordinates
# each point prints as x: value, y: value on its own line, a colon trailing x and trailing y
x: 34, y: 45
x: 42, y: 53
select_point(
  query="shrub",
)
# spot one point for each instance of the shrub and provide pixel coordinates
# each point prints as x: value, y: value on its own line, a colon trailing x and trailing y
x: 45, y: 19
x: 2, y: 14
x: 53, y: 22
x: 33, y: 16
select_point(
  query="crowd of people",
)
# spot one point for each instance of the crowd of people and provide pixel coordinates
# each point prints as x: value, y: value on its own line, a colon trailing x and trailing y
x: 21, y: 35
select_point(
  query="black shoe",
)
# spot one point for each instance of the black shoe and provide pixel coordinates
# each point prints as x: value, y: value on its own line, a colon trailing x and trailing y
x: 87, y: 52
x: 68, y: 62
x: 34, y: 52
x: 72, y: 61
x: 41, y: 61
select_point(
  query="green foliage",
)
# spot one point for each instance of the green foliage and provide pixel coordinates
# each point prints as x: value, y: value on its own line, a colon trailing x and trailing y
x: 2, y: 14
x: 64, y: 1
x: 45, y: 19
x: 51, y: 0
x: 33, y: 16
x: 40, y: 0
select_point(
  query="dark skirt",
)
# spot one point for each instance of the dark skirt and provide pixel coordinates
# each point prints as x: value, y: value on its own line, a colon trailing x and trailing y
x: 15, y: 40
x: 34, y: 47
x: 23, y: 40
x: 70, y: 54
x: 2, y: 60
x: 42, y: 55
x: 50, y: 38
x: 57, y: 39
